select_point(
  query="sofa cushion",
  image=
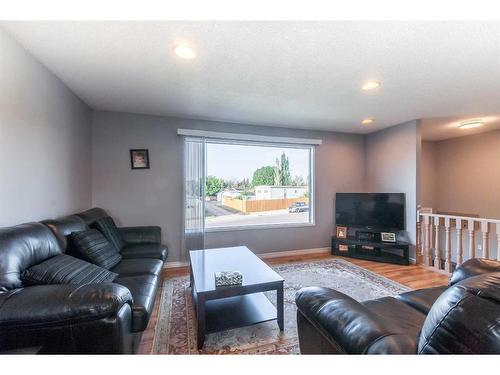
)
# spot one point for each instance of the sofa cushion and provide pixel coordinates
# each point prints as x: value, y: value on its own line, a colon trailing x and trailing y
x: 403, y: 321
x: 133, y: 267
x: 144, y: 250
x: 90, y: 216
x: 92, y: 246
x: 65, y: 269
x: 21, y: 247
x: 398, y: 315
x: 422, y: 299
x: 62, y: 227
x: 141, y: 234
x: 474, y: 267
x: 59, y: 305
x: 143, y: 289
x: 108, y: 228
x: 381, y: 326
x: 464, y: 319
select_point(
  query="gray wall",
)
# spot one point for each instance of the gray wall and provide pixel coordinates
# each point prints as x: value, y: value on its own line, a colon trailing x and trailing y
x: 464, y: 178
x: 466, y: 174
x: 428, y: 174
x: 154, y: 196
x: 44, y: 141
x: 391, y: 166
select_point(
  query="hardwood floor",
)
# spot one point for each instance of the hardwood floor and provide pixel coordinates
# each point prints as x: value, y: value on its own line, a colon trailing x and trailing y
x: 413, y: 276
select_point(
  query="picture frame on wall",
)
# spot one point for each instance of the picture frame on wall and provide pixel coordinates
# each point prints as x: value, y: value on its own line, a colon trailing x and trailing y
x: 139, y: 158
x: 341, y: 232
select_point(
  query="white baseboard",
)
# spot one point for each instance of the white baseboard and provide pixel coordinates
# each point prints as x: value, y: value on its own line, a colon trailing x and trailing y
x: 277, y: 254
x: 176, y: 264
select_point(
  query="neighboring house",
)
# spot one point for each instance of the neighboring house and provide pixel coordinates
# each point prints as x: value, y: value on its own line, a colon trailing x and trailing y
x: 263, y: 192
x: 228, y: 193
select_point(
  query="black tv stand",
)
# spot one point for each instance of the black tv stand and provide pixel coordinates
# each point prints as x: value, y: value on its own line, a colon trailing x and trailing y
x: 375, y: 250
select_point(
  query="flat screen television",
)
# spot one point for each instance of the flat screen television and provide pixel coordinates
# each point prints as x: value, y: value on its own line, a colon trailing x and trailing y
x: 375, y: 211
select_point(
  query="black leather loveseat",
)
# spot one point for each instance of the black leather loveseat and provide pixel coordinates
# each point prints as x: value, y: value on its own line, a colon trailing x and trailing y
x: 461, y: 318
x: 68, y: 318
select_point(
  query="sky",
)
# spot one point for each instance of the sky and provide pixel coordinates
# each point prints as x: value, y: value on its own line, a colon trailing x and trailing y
x: 236, y: 162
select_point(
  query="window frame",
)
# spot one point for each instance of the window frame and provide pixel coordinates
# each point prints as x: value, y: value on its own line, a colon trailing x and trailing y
x: 311, y: 184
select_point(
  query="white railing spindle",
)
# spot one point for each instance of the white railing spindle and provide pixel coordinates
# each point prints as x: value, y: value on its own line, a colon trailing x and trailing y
x: 472, y: 240
x: 420, y: 248
x: 460, y: 250
x: 498, y: 242
x: 437, y: 253
x: 486, y: 249
x: 447, y: 247
x: 429, y: 225
x: 427, y: 241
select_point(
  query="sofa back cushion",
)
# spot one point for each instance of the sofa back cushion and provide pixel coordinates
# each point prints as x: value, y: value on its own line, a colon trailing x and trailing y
x: 464, y: 319
x: 62, y: 227
x: 92, y: 246
x: 90, y: 216
x: 65, y: 269
x: 108, y: 228
x: 21, y: 247
x: 474, y: 267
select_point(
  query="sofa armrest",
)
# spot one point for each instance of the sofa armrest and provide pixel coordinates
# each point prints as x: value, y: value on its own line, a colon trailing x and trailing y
x: 136, y: 235
x: 42, y: 306
x: 342, y: 325
x: 474, y: 267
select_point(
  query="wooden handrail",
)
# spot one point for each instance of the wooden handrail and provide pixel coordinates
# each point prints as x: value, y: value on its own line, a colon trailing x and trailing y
x: 467, y: 218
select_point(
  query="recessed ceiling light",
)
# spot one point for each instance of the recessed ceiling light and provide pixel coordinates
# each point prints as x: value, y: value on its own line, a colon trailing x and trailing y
x: 367, y: 121
x: 184, y: 52
x: 370, y: 85
x: 471, y: 124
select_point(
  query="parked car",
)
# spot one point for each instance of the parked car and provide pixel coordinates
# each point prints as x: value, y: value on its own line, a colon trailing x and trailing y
x: 298, y: 207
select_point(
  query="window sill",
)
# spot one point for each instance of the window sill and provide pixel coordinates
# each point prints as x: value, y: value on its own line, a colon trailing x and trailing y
x: 257, y: 227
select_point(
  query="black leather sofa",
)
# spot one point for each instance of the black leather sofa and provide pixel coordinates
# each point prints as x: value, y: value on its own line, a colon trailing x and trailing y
x: 461, y: 318
x: 91, y: 318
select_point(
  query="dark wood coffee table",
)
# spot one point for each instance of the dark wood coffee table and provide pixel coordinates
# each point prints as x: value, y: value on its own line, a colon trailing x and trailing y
x: 223, y: 308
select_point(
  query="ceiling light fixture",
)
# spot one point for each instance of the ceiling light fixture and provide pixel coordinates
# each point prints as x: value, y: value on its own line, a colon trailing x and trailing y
x: 471, y: 124
x: 367, y: 121
x: 184, y: 52
x: 370, y: 85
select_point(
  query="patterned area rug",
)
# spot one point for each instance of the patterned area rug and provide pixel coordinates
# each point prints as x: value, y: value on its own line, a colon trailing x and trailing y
x: 176, y: 328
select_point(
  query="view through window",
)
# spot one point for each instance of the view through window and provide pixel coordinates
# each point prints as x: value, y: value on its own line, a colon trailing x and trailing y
x: 257, y: 184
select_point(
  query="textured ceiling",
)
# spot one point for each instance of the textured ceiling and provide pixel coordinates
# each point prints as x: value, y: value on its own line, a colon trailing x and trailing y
x: 437, y: 129
x: 293, y: 74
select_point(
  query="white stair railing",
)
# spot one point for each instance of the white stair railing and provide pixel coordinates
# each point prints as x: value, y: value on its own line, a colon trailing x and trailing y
x: 433, y: 248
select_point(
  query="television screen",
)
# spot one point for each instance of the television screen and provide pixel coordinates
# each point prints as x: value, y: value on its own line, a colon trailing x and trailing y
x: 382, y: 211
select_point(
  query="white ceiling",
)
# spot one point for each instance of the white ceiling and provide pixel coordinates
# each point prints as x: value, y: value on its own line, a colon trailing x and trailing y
x: 438, y: 129
x: 293, y: 74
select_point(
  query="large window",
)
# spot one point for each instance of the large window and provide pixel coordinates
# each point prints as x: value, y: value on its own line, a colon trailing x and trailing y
x: 251, y: 184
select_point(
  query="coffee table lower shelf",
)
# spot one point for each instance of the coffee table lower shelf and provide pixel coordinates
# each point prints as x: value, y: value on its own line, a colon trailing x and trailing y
x: 239, y: 311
